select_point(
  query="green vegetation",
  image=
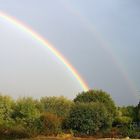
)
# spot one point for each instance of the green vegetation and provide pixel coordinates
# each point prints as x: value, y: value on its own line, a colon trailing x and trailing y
x: 89, y: 118
x: 91, y: 113
x: 99, y: 96
x: 57, y: 105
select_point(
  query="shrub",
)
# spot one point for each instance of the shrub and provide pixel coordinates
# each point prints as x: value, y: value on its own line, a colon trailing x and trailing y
x: 57, y: 105
x: 26, y: 114
x: 50, y: 124
x: 130, y: 131
x: 88, y: 118
x: 6, y: 109
x: 122, y: 120
x: 18, y: 131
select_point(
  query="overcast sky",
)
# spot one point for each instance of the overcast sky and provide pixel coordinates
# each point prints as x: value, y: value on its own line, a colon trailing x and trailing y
x: 100, y: 38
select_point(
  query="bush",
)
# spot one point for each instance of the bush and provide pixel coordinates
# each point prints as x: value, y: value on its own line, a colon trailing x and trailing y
x: 88, y: 119
x: 50, y: 124
x: 18, y: 131
x: 6, y: 109
x: 122, y: 120
x: 57, y: 105
x: 130, y: 131
x: 26, y: 114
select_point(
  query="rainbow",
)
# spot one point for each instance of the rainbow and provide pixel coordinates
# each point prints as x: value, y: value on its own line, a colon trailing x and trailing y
x: 23, y: 27
x: 104, y: 44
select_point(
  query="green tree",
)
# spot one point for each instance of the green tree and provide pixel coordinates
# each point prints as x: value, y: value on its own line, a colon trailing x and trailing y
x: 26, y: 115
x: 126, y: 115
x: 122, y: 120
x: 97, y: 96
x: 57, y: 105
x: 129, y: 111
x: 6, y: 109
x: 89, y: 118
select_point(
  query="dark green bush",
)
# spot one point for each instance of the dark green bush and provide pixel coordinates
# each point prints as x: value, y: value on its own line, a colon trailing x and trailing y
x: 130, y: 131
x: 89, y: 118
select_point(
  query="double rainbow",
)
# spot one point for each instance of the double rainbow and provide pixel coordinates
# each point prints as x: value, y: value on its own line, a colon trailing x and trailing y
x: 46, y: 44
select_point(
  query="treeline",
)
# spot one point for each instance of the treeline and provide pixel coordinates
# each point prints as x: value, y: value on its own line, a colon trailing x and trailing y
x: 91, y: 113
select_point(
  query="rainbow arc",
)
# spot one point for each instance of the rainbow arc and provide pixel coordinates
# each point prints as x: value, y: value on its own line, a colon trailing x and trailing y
x: 21, y: 26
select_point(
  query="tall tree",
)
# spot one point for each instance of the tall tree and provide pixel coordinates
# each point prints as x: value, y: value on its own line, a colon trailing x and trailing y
x: 97, y: 96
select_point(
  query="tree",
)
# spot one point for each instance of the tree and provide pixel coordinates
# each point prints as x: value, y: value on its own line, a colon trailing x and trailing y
x: 6, y: 109
x: 97, y: 96
x: 25, y: 108
x: 138, y: 111
x: 57, y: 105
x: 122, y: 120
x: 129, y: 111
x: 89, y: 118
x: 26, y: 115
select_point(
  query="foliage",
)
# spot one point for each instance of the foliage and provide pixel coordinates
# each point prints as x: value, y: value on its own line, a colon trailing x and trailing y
x: 6, y: 109
x: 138, y: 112
x: 50, y: 124
x: 129, y: 111
x: 89, y: 118
x: 130, y: 131
x: 26, y: 114
x: 57, y: 105
x: 122, y: 120
x: 91, y: 113
x: 25, y: 108
x: 97, y: 96
x: 125, y: 115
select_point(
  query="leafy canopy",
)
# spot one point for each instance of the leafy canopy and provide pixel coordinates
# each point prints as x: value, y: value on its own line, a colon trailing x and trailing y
x: 97, y: 96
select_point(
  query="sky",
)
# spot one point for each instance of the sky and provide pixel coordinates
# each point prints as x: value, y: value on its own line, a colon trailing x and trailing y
x: 99, y: 38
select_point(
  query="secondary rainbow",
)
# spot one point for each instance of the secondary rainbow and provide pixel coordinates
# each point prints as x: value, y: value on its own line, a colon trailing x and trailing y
x: 20, y: 25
